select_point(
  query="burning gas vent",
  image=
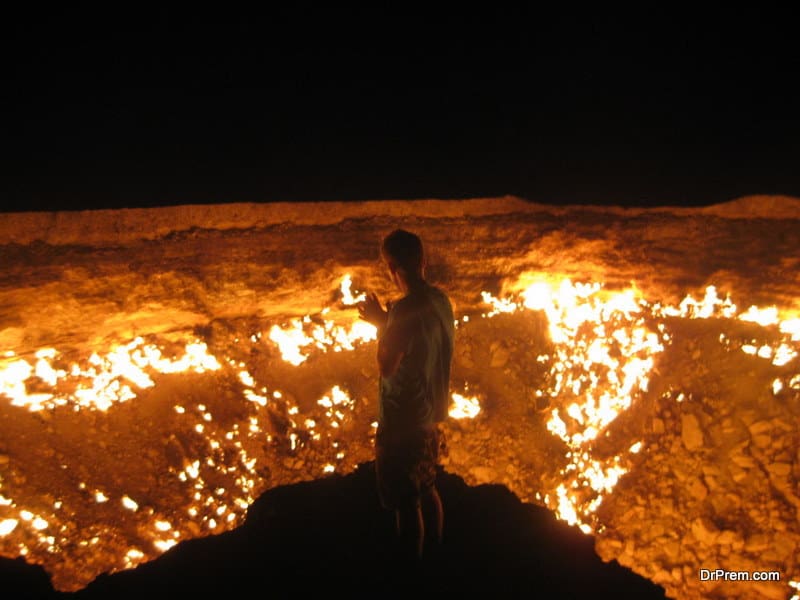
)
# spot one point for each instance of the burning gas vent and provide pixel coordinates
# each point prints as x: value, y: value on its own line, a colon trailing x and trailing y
x: 637, y: 372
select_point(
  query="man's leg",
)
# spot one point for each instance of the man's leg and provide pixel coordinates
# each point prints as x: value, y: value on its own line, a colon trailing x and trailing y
x: 411, y: 529
x: 435, y: 502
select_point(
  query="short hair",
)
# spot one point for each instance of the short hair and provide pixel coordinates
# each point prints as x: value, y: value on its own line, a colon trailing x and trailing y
x: 404, y: 249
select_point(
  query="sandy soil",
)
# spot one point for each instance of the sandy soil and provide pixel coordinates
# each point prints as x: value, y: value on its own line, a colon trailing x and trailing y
x: 195, y: 449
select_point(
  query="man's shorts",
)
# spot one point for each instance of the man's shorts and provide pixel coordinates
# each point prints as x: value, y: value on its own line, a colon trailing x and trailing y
x: 405, y: 465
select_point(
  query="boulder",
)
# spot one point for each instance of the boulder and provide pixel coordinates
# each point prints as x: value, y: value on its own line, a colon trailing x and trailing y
x: 691, y: 433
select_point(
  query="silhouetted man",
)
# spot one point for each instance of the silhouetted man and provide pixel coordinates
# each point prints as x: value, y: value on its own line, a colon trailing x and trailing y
x: 415, y: 349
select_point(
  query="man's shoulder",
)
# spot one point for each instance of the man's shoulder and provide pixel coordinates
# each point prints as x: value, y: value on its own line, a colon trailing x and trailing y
x: 440, y: 296
x: 403, y: 309
x: 421, y: 302
x: 437, y: 291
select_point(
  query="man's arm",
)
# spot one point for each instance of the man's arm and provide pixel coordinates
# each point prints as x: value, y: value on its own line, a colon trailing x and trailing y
x: 372, y: 312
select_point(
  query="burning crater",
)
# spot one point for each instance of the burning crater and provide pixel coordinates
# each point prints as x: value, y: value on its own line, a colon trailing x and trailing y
x: 635, y: 371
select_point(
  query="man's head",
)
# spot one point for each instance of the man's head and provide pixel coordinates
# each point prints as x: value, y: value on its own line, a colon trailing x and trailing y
x: 403, y: 253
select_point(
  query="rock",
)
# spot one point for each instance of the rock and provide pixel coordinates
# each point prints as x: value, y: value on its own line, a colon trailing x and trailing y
x: 785, y: 544
x: 483, y: 474
x: 704, y: 531
x: 757, y: 543
x: 4, y: 459
x: 738, y: 544
x: 459, y: 455
x: 697, y: 489
x: 193, y: 527
x: 661, y: 577
x: 760, y: 427
x: 658, y: 426
x: 500, y: 355
x: 728, y: 537
x: 656, y: 531
x: 691, y: 434
x: 608, y: 548
x: 771, y: 591
x: 739, y: 476
x: 725, y: 503
x: 743, y: 461
x: 762, y: 441
x: 779, y: 469
x: 672, y: 549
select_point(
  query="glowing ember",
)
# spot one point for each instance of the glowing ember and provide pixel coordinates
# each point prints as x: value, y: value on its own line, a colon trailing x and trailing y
x: 163, y: 525
x: 164, y: 545
x: 463, y: 407
x: 7, y: 526
x: 129, y: 504
x: 133, y: 557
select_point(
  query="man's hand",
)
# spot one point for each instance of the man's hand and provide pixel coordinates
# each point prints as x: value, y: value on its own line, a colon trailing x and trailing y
x: 371, y: 311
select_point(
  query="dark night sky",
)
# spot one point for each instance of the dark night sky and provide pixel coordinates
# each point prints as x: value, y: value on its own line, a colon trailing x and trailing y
x: 161, y: 109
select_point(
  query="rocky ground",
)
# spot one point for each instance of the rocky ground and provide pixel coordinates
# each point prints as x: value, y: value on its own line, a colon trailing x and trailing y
x: 713, y: 485
x: 330, y: 536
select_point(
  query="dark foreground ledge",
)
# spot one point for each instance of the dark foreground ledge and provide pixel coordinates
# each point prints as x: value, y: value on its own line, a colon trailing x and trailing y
x: 331, y: 535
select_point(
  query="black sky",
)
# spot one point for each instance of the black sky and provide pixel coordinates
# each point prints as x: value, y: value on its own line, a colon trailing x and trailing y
x: 149, y: 110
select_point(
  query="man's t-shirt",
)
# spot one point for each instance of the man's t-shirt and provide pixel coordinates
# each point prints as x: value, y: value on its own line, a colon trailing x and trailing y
x: 417, y: 394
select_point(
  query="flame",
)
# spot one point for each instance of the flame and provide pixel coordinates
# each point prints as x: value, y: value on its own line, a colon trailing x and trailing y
x: 712, y: 306
x: 604, y: 351
x: 100, y: 381
x: 295, y: 339
x: 463, y: 407
x: 605, y: 348
x: 7, y: 526
x: 347, y: 297
x: 290, y: 340
x: 129, y: 504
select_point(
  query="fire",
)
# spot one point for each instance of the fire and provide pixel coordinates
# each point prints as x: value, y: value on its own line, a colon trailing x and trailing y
x: 606, y: 344
x: 347, y: 296
x: 7, y: 526
x: 605, y: 347
x: 712, y: 306
x: 295, y: 339
x: 463, y: 407
x: 604, y: 350
x: 100, y: 381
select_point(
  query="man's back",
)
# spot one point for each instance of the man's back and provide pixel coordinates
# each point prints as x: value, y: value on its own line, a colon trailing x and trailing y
x: 417, y: 393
